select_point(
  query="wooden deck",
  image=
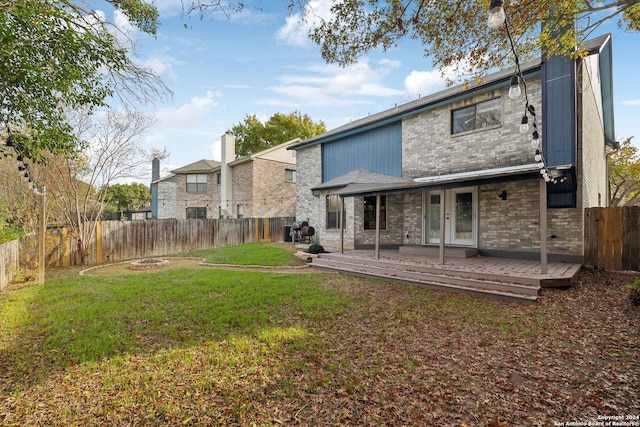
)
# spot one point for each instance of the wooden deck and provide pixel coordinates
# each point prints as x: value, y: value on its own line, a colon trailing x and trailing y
x: 503, y: 278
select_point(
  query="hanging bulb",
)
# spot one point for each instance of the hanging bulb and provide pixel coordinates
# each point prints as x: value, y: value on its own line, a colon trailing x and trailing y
x: 535, y: 141
x: 538, y: 156
x: 514, y: 88
x: 496, y: 14
x: 524, y: 124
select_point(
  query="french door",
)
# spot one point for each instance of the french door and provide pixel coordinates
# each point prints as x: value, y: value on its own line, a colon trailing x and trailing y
x: 460, y: 206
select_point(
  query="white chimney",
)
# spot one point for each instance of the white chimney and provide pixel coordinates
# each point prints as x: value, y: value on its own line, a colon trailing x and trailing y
x: 228, y: 155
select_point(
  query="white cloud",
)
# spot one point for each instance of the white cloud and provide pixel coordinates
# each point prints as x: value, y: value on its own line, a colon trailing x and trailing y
x: 321, y: 85
x: 188, y: 114
x: 423, y: 82
x: 296, y: 28
x: 632, y: 103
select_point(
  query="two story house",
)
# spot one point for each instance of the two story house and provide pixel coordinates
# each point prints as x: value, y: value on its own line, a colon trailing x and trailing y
x: 452, y: 169
x: 259, y: 185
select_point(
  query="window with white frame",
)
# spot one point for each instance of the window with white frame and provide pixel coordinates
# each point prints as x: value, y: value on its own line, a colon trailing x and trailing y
x: 477, y: 116
x: 333, y: 212
x: 290, y: 175
x: 196, y: 183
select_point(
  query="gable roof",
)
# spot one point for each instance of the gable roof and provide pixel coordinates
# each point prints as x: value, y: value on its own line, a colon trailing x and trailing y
x: 266, y: 154
x: 202, y: 166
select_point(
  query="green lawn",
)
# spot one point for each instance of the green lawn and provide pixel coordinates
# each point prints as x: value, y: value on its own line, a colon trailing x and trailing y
x: 210, y: 346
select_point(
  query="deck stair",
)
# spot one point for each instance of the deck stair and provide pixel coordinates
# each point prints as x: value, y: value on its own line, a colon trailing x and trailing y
x: 452, y: 252
x: 520, y: 289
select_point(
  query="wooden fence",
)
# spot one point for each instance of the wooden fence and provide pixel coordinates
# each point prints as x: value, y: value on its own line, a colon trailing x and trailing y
x: 612, y: 238
x: 8, y: 262
x: 124, y: 240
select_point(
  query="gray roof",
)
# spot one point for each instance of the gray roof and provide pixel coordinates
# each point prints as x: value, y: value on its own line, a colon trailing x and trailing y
x: 202, y: 166
x: 509, y: 173
x: 362, y: 177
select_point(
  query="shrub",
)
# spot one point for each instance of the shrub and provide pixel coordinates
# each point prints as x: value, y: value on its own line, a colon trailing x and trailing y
x: 315, y: 249
x: 634, y: 294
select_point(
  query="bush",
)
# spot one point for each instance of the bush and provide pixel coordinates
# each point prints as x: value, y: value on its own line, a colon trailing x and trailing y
x: 634, y: 295
x: 9, y: 233
x: 315, y: 249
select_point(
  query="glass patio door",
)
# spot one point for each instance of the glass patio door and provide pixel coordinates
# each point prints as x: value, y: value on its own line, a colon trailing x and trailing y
x: 460, y: 217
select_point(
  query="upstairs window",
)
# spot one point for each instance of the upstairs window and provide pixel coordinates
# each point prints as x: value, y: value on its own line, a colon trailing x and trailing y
x: 478, y: 116
x: 290, y: 175
x: 196, y: 183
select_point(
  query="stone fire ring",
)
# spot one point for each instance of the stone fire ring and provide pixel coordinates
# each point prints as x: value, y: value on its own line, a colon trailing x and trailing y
x: 148, y: 264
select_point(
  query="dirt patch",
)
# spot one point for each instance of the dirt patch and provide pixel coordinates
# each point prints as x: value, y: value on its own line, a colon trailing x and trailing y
x: 125, y: 267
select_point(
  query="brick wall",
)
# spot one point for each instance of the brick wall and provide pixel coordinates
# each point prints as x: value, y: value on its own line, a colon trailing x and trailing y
x: 430, y: 149
x: 272, y: 195
x: 592, y: 176
x: 209, y: 199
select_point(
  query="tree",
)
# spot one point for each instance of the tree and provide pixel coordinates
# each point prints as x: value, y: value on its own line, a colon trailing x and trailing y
x: 624, y: 175
x: 55, y: 54
x: 454, y: 33
x: 78, y: 182
x: 121, y: 197
x: 253, y: 136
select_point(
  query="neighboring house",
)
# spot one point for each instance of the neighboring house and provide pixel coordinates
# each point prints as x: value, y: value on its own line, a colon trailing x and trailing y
x: 259, y: 185
x: 452, y: 168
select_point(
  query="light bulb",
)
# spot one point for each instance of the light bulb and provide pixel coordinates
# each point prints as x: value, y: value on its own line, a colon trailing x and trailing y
x: 514, y: 88
x: 535, y: 141
x: 496, y: 14
x: 538, y: 156
x: 524, y: 125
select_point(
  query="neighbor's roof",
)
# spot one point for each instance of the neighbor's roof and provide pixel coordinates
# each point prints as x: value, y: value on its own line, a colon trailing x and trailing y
x: 203, y: 166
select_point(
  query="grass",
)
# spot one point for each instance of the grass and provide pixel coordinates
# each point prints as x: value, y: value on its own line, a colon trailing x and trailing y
x: 249, y: 254
x: 210, y: 346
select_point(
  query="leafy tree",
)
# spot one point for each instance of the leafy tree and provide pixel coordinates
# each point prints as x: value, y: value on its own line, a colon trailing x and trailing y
x: 57, y: 53
x: 121, y: 197
x: 624, y: 175
x: 253, y: 136
x: 453, y: 33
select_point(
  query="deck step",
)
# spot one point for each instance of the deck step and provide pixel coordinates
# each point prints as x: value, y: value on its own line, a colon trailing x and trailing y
x: 435, y: 251
x: 433, y: 278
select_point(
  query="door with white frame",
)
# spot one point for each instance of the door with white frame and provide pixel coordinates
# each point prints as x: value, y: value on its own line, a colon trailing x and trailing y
x: 460, y: 228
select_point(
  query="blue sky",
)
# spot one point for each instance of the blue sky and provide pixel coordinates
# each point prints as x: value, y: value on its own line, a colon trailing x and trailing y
x: 260, y: 62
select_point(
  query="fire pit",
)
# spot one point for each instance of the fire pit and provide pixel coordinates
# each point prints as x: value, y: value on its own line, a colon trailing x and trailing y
x: 148, y: 264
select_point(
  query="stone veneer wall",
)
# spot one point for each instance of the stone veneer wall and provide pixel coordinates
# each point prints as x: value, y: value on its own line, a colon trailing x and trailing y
x: 429, y: 148
x: 166, y: 198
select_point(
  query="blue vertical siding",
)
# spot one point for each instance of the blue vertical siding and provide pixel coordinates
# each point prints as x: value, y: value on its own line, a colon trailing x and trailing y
x: 378, y: 150
x: 559, y: 113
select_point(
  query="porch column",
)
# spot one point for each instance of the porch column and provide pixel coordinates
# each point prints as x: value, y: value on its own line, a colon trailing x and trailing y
x: 442, y: 224
x: 341, y: 225
x: 543, y: 227
x: 378, y: 226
